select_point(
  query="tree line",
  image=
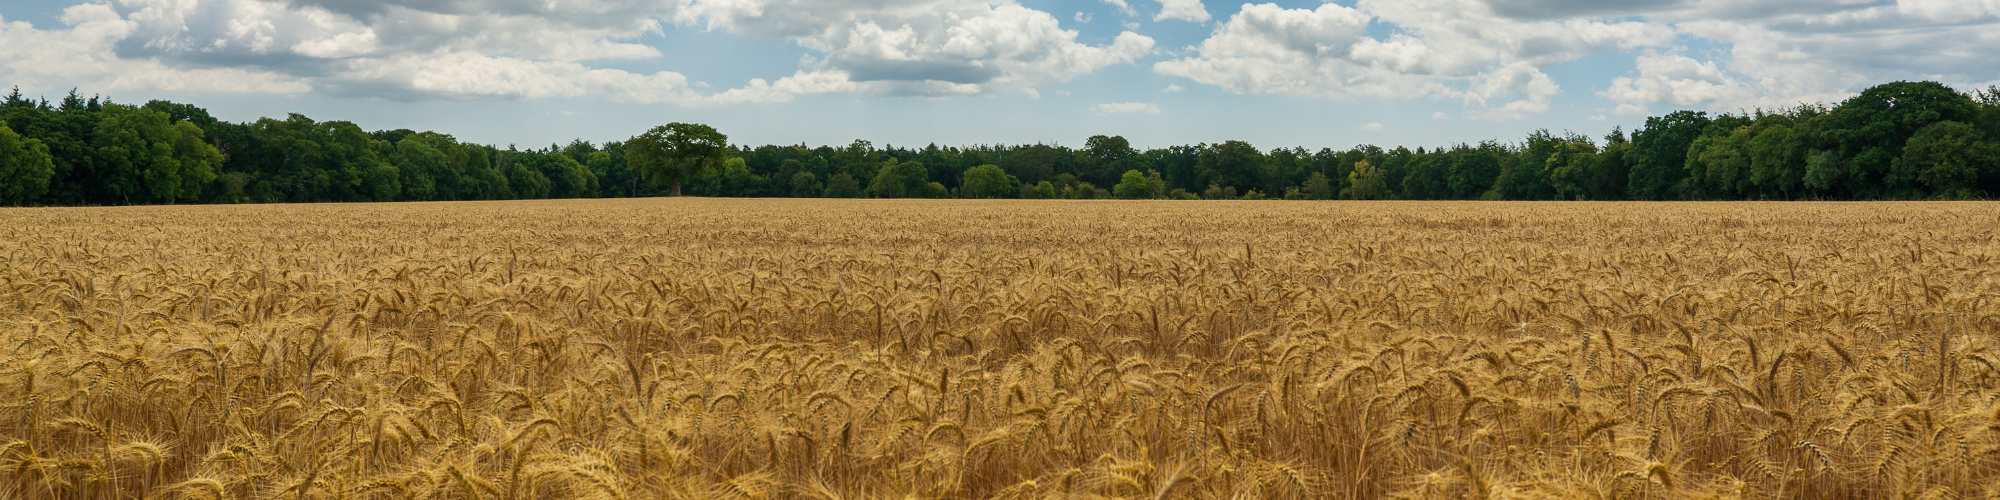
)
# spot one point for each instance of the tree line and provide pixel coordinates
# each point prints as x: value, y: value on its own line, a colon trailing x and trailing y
x: 1902, y: 140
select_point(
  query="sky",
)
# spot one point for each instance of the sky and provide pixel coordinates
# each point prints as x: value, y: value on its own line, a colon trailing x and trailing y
x: 963, y: 72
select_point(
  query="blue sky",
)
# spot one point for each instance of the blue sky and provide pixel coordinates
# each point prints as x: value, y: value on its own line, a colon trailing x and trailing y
x: 910, y: 72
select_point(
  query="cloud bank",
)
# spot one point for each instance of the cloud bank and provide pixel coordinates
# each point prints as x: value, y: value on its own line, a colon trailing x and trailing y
x: 1493, y: 58
x: 505, y: 49
x: 1493, y: 54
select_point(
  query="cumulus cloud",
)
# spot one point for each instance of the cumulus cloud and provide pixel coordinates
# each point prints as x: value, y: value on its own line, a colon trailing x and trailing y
x: 1949, y: 10
x: 505, y: 49
x: 1123, y: 7
x: 380, y: 49
x: 1266, y: 49
x: 923, y: 47
x: 801, y: 83
x: 278, y: 33
x: 1678, y: 80
x: 1492, y: 54
x: 1493, y: 57
x: 1779, y: 53
x: 1372, y: 127
x: 1825, y: 51
x: 1185, y: 10
x: 1453, y: 49
x: 82, y: 56
x: 464, y: 75
x: 1123, y: 108
x: 1529, y: 88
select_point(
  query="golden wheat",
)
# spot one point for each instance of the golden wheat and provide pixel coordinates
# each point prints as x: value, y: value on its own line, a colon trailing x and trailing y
x: 919, y: 349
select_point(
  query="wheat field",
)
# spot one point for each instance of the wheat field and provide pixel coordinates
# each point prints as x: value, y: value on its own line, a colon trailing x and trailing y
x: 817, y: 349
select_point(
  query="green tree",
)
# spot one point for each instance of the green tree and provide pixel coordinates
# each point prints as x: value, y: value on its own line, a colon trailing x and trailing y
x: 1429, y: 178
x: 1134, y: 186
x: 300, y: 160
x: 1869, y: 131
x: 1318, y: 187
x: 899, y: 179
x: 1083, y: 191
x: 527, y: 183
x: 1570, y: 170
x: 1475, y: 169
x: 1033, y: 163
x: 1777, y: 153
x: 1044, y: 190
x: 66, y: 131
x: 1233, y: 164
x: 1951, y: 158
x: 887, y: 184
x: 1103, y: 157
x: 842, y: 185
x: 149, y: 159
x: 989, y: 181
x: 859, y: 160
x: 1660, y: 150
x: 674, y: 152
x: 1528, y: 175
x: 1614, y: 168
x: 421, y: 165
x: 930, y: 189
x: 738, y: 180
x: 1366, y: 183
x: 25, y: 168
x: 567, y: 177
x: 806, y: 185
x: 1717, y: 167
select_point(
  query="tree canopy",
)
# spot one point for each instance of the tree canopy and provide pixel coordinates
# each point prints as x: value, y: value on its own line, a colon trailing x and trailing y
x: 25, y: 168
x: 674, y: 152
x: 1901, y: 140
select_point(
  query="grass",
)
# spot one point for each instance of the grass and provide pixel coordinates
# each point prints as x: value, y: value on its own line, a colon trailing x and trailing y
x: 951, y: 349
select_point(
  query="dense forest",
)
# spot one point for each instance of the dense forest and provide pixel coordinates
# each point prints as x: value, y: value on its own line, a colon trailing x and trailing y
x: 1903, y: 140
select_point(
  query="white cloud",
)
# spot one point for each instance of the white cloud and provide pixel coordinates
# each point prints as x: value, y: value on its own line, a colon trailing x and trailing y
x: 279, y: 32
x: 1123, y: 7
x: 1122, y: 108
x: 1454, y: 49
x: 923, y: 47
x: 1778, y: 53
x: 509, y: 49
x: 42, y: 61
x: 272, y: 46
x: 463, y: 75
x: 1529, y: 88
x: 800, y: 83
x: 1493, y: 54
x: 1826, y: 57
x: 1172, y: 88
x: 1948, y: 10
x: 1185, y: 10
x: 1440, y: 116
x: 1677, y: 80
x: 1372, y: 127
x: 1265, y: 49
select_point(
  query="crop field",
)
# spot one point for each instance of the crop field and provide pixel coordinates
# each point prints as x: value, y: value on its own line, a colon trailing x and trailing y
x: 819, y: 349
